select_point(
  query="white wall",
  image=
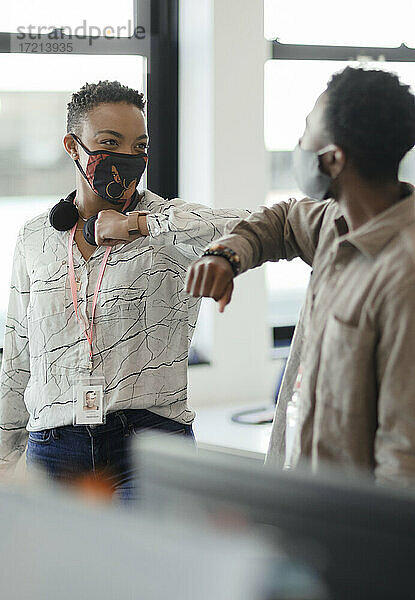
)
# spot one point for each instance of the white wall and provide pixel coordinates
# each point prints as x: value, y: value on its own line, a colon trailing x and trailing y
x: 222, y: 162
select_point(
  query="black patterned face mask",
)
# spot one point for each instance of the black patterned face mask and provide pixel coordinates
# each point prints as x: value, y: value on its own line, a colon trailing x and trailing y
x: 112, y: 176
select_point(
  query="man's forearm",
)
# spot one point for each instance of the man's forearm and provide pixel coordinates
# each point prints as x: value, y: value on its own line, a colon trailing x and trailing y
x: 286, y: 230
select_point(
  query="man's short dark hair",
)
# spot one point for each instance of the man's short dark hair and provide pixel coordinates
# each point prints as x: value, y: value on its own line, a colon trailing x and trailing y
x: 370, y: 114
x: 93, y: 94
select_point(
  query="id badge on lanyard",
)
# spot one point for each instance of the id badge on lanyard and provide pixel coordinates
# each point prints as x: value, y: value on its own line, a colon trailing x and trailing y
x: 89, y: 396
x: 89, y: 402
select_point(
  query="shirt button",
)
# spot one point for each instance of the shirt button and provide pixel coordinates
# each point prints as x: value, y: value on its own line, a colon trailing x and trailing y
x: 337, y: 267
x: 64, y: 262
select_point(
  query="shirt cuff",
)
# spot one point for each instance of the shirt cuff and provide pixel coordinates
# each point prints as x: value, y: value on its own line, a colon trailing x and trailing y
x: 241, y: 247
x: 157, y: 224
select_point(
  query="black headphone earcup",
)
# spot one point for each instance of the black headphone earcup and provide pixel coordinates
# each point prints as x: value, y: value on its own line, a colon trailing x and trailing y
x: 63, y: 216
x: 89, y: 230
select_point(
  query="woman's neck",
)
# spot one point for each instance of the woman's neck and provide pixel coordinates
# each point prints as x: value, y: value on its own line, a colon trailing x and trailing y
x: 89, y: 203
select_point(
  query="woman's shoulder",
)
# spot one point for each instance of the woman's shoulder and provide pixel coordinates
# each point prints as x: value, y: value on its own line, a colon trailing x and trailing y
x: 35, y: 225
x: 38, y: 238
x: 155, y: 203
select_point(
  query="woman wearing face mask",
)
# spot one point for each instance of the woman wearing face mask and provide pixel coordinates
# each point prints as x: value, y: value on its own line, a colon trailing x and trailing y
x: 112, y: 323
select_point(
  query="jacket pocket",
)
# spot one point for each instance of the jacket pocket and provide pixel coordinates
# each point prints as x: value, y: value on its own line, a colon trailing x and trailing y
x: 346, y: 376
x: 345, y: 410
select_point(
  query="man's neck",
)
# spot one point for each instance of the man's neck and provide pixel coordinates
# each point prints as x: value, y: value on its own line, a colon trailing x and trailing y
x: 362, y: 202
x: 89, y: 203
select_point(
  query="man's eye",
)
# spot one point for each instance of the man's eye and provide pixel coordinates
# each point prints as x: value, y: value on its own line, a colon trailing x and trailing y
x: 143, y: 146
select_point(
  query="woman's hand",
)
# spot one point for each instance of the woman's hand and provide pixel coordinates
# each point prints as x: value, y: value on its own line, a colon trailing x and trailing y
x: 211, y: 277
x: 112, y: 227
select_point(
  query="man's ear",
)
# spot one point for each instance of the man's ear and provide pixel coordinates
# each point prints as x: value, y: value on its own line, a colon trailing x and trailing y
x: 339, y: 161
x: 71, y: 146
x: 334, y: 162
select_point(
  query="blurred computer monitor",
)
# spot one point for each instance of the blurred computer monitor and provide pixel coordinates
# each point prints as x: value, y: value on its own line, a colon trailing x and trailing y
x: 359, y: 537
x: 53, y: 546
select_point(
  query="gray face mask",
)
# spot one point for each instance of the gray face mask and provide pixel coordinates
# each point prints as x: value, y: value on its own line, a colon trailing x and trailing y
x: 310, y: 179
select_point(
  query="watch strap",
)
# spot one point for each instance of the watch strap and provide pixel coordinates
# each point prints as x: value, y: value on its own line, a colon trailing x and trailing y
x: 133, y: 223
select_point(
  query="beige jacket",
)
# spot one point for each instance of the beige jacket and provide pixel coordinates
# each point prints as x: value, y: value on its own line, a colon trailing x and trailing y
x: 355, y: 338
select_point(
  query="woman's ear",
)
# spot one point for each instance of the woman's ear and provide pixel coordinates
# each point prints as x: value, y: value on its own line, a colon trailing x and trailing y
x: 71, y: 146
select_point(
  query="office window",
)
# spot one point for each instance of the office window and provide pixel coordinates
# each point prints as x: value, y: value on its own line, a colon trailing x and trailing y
x: 356, y: 23
x: 77, y: 14
x: 291, y: 88
x: 35, y: 171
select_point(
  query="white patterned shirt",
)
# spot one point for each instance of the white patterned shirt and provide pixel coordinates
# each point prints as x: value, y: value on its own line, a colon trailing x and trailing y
x: 143, y: 324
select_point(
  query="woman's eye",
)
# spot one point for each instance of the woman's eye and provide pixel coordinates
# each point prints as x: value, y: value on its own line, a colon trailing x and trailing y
x: 109, y: 142
x: 142, y: 146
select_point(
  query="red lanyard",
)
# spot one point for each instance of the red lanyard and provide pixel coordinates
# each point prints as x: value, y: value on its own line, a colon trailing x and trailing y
x: 89, y: 330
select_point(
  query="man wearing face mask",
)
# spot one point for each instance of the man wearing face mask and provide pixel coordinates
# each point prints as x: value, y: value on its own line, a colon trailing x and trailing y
x: 112, y: 323
x: 348, y: 392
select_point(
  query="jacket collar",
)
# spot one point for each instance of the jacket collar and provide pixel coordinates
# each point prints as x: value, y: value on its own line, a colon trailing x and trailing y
x: 374, y: 235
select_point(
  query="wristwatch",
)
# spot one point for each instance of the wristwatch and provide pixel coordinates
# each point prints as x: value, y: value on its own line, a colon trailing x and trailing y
x: 133, y: 223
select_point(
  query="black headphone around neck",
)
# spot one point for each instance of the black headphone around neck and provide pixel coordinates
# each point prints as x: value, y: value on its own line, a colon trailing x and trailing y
x: 64, y: 215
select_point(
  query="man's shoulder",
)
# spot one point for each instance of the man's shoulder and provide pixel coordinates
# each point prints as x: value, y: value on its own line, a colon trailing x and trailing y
x: 396, y: 262
x: 313, y: 212
x: 320, y: 220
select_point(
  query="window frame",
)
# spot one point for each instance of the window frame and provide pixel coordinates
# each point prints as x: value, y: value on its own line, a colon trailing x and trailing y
x: 280, y: 51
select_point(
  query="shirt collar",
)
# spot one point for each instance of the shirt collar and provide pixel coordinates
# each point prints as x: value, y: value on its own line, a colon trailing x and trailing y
x: 373, y: 236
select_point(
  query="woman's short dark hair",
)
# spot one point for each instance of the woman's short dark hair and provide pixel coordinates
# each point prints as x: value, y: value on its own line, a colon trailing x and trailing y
x: 93, y: 94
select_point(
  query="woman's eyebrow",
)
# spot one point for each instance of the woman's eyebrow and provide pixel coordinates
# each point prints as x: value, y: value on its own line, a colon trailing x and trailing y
x: 119, y: 135
x: 116, y: 133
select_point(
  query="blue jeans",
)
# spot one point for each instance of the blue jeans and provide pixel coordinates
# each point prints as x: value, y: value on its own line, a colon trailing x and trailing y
x: 70, y: 452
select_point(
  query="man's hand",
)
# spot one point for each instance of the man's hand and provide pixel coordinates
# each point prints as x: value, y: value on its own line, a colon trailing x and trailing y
x: 211, y: 277
x: 111, y: 228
